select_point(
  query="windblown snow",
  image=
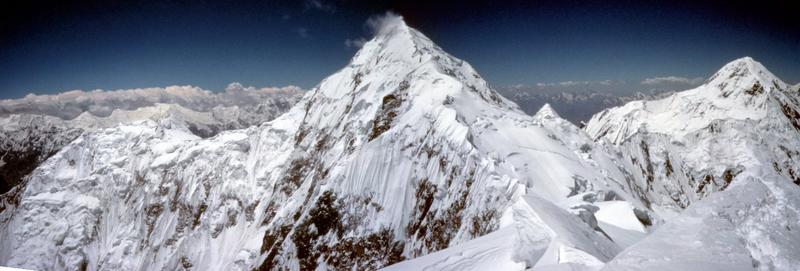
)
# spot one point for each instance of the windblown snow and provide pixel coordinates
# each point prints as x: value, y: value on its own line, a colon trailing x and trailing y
x: 406, y: 159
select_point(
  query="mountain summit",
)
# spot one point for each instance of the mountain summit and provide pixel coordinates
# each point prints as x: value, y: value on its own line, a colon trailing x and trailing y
x: 747, y: 75
x: 546, y: 111
x: 398, y: 48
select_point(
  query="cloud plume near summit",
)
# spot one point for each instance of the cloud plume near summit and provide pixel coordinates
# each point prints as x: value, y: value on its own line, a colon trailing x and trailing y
x: 376, y: 25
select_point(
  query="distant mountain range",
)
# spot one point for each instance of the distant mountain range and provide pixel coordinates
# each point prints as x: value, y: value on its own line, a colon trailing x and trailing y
x: 575, y: 106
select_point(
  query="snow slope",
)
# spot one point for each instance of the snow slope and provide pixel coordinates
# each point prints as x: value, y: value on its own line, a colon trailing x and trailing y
x: 750, y: 226
x: 618, y: 219
x: 542, y: 236
x: 403, y: 152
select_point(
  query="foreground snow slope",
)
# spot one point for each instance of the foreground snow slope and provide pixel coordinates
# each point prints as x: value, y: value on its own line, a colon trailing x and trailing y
x: 541, y: 236
x: 403, y: 152
x: 750, y: 226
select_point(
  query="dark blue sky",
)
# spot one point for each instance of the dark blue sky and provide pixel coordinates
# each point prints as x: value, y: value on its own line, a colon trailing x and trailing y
x: 49, y: 48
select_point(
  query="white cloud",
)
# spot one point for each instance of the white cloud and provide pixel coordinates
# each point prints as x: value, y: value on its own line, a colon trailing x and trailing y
x: 673, y: 80
x: 383, y: 23
x: 377, y: 25
x: 572, y: 83
x: 355, y: 43
x: 607, y: 82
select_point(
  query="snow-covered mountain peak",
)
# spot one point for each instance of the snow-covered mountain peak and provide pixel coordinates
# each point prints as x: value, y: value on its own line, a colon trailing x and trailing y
x: 394, y: 40
x: 741, y: 67
x: 400, y: 51
x: 745, y: 75
x: 546, y: 111
x: 741, y: 90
